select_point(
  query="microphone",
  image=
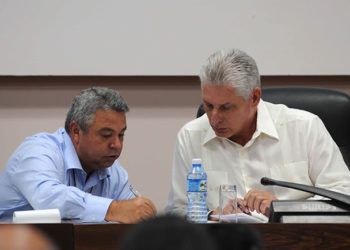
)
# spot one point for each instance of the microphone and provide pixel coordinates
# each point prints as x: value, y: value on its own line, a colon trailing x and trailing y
x: 338, y: 197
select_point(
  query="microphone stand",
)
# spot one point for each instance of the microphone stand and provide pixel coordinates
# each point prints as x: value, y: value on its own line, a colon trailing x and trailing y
x: 342, y: 199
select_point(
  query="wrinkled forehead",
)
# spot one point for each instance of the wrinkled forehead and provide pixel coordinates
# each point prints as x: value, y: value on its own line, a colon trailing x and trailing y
x: 109, y: 119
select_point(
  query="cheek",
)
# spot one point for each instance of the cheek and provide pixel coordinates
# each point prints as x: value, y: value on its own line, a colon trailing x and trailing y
x: 100, y: 147
x: 235, y: 119
x: 83, y: 151
x: 93, y: 147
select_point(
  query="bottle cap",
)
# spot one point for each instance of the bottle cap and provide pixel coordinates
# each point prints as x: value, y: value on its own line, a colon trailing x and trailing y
x: 196, y: 162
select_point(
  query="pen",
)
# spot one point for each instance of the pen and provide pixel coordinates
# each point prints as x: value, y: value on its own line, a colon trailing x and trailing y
x: 243, y: 208
x: 134, y: 191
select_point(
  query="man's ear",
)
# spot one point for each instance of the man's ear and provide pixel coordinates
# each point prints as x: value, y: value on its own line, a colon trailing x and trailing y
x: 75, y: 132
x: 255, y: 96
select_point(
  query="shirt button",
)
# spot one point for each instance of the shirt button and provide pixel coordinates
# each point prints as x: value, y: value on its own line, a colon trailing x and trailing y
x: 242, y: 153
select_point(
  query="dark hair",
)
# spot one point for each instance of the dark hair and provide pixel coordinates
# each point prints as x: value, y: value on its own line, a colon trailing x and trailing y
x: 167, y: 233
x: 85, y: 105
x: 236, y: 236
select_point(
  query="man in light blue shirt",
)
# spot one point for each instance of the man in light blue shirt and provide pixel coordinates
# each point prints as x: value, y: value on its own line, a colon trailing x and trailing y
x: 75, y: 169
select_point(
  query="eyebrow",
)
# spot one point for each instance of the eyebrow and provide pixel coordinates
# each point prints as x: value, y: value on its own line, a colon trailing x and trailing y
x: 123, y: 130
x: 220, y: 105
x: 106, y: 130
x: 112, y: 130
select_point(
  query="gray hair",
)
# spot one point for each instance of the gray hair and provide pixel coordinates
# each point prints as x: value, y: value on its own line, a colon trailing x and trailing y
x: 85, y: 105
x: 231, y: 67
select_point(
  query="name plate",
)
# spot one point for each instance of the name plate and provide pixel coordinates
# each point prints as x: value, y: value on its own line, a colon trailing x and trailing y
x: 308, y: 211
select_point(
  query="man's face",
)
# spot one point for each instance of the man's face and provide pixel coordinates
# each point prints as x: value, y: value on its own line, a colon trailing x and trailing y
x: 230, y: 115
x: 103, y: 143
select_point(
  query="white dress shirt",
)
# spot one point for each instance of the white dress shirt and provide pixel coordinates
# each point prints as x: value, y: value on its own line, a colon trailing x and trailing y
x: 288, y: 144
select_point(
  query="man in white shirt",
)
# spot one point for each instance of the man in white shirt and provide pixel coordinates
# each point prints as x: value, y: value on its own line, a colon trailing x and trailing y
x: 241, y: 139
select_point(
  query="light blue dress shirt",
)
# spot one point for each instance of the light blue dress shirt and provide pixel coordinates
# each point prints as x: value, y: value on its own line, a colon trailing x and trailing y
x: 45, y: 172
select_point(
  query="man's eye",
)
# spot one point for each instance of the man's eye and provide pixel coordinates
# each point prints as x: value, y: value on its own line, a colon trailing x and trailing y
x: 121, y: 135
x: 106, y: 135
x: 225, y: 108
x: 208, y: 106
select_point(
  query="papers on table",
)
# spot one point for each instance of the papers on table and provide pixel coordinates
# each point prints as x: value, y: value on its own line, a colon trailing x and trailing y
x: 37, y: 216
x: 241, y: 218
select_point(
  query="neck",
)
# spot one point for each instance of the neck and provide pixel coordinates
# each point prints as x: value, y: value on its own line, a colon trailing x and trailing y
x: 87, y: 170
x: 245, y: 135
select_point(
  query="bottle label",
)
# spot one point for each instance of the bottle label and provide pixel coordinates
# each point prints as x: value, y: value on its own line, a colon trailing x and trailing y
x: 197, y: 185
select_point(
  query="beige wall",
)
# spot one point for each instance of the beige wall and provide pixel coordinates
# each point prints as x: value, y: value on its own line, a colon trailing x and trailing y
x: 153, y: 37
x: 157, y: 111
x: 159, y: 106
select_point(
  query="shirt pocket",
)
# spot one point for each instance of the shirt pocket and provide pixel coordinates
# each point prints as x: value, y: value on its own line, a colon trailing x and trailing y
x: 215, y: 179
x: 297, y: 172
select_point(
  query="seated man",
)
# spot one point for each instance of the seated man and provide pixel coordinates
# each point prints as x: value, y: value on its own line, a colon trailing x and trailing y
x: 241, y: 139
x: 75, y: 169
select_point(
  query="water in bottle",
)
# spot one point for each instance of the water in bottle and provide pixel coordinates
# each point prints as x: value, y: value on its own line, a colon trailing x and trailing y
x: 197, y: 193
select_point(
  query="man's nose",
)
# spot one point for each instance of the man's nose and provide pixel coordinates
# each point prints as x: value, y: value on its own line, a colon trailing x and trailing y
x: 116, y: 143
x: 215, y: 117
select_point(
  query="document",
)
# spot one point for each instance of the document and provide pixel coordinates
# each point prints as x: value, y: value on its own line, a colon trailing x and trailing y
x: 241, y: 218
x: 37, y: 216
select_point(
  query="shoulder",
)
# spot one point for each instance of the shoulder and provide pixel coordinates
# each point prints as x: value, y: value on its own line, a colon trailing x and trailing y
x: 283, y: 115
x: 201, y: 124
x: 46, y: 141
x: 42, y: 146
x: 195, y: 130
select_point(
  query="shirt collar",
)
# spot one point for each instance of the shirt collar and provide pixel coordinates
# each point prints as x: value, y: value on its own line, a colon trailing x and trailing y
x: 71, y: 157
x: 265, y: 124
x: 210, y: 134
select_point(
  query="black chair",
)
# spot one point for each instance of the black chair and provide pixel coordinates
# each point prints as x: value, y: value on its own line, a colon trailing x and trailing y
x: 333, y: 107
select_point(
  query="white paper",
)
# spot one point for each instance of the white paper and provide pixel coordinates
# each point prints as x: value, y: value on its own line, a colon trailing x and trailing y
x: 241, y: 218
x: 37, y: 216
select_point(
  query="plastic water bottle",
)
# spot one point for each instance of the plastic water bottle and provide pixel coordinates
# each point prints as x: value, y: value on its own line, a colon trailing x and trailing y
x: 197, y: 193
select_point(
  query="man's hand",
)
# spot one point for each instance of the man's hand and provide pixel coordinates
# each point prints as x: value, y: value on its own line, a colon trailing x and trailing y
x: 131, y: 211
x: 229, y: 208
x: 259, y: 201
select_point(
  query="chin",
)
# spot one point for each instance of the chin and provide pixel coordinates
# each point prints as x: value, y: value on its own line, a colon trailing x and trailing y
x: 106, y: 164
x: 223, y: 135
x: 109, y: 165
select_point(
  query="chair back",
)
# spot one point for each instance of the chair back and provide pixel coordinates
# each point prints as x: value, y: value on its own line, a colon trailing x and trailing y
x: 332, y: 106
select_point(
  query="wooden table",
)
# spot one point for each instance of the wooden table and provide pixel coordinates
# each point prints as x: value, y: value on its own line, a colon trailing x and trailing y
x: 275, y: 236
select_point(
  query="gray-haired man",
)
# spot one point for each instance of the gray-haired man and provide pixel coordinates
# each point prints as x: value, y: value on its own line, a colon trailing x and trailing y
x: 242, y: 138
x: 75, y: 169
